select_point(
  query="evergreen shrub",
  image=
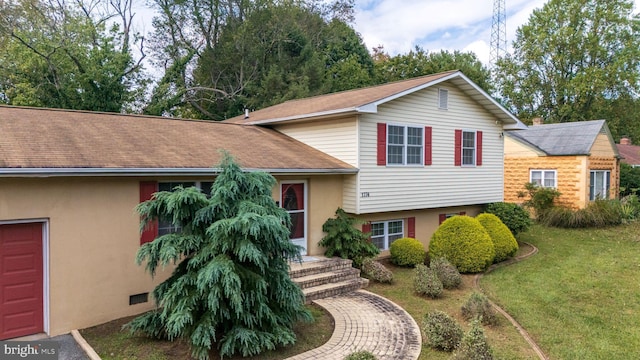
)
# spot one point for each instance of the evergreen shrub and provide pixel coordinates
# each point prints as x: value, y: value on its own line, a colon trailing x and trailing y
x: 344, y: 240
x: 407, y: 252
x: 478, y: 307
x: 376, y: 271
x: 474, y: 345
x: 541, y: 199
x: 514, y: 216
x: 446, y: 272
x: 464, y: 242
x: 426, y: 282
x: 441, y: 331
x: 504, y: 243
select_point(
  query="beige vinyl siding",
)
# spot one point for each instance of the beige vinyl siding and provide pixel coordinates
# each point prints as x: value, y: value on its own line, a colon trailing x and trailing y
x: 337, y: 138
x: 350, y: 193
x: 602, y: 146
x: 394, y: 188
x: 514, y: 148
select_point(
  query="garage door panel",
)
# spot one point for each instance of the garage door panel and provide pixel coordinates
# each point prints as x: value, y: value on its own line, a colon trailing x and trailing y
x: 21, y: 280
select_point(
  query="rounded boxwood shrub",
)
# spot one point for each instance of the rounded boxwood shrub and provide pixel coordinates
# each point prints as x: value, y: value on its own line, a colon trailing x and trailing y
x: 513, y: 215
x: 407, y: 252
x: 447, y: 273
x: 441, y: 331
x: 464, y: 242
x: 504, y: 243
x: 478, y: 307
x: 376, y: 271
x: 426, y: 282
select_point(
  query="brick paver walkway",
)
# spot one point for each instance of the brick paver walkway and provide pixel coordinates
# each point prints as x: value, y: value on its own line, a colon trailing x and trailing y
x: 365, y: 321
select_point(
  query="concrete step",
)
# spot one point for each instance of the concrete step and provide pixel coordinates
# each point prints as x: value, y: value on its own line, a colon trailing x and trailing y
x: 317, y: 267
x: 327, y: 277
x: 334, y: 289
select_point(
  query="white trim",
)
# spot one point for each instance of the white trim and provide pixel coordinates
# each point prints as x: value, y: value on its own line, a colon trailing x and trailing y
x: 543, y: 171
x: 475, y: 148
x: 386, y: 244
x: 305, y: 192
x: 405, y: 145
x: 442, y: 90
x: 45, y: 266
x: 53, y: 172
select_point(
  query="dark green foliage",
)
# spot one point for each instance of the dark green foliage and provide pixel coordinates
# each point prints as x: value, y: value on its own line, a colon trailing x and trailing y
x: 541, y: 199
x: 407, y: 252
x: 504, y: 243
x: 231, y: 287
x: 599, y: 213
x: 376, y: 271
x: 464, y: 242
x: 630, y: 208
x: 513, y: 215
x: 478, y: 307
x: 345, y: 241
x: 474, y: 345
x: 426, y: 282
x: 447, y: 273
x: 629, y: 179
x: 442, y: 332
x: 361, y: 355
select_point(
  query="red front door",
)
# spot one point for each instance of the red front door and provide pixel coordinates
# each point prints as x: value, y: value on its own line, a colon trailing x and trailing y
x: 21, y: 280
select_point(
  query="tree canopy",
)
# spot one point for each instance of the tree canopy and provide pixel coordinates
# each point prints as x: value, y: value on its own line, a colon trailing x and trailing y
x: 231, y: 285
x: 75, y: 55
x: 575, y: 60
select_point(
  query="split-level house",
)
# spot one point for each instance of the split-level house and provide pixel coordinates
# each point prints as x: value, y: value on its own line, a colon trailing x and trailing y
x: 401, y: 157
x: 580, y: 159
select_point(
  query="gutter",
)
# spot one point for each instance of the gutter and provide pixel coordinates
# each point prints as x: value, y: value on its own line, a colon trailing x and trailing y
x: 101, y: 172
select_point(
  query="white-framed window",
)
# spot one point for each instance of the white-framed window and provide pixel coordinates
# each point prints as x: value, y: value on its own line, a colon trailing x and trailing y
x: 405, y: 145
x: 167, y: 227
x: 600, y: 182
x: 545, y: 178
x: 383, y: 233
x: 443, y: 99
x: 468, y: 148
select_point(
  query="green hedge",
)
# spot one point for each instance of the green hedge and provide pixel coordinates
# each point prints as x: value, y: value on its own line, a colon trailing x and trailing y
x: 464, y: 242
x: 504, y: 243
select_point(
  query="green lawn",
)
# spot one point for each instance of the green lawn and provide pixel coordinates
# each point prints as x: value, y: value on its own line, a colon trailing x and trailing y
x: 579, y: 297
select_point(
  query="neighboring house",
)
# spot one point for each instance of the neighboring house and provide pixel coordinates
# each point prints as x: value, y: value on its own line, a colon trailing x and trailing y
x: 579, y: 159
x: 630, y: 153
x: 401, y: 156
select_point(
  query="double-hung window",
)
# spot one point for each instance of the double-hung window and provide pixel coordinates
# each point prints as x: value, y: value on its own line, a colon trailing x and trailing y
x: 405, y: 145
x: 468, y: 148
x: 544, y: 178
x: 383, y: 233
x: 599, y: 184
x: 167, y: 227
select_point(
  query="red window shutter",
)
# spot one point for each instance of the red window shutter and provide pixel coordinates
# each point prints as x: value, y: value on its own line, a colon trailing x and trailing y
x: 442, y: 218
x: 411, y: 225
x: 382, y: 144
x: 428, y: 132
x: 366, y: 228
x: 147, y: 188
x: 478, y: 148
x: 457, y: 152
x: 462, y: 213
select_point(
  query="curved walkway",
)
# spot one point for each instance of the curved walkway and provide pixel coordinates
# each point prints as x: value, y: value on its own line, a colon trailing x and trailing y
x: 521, y: 330
x: 366, y: 321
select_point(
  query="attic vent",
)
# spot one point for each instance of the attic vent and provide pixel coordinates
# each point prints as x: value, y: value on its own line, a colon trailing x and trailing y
x: 443, y: 99
x: 138, y: 298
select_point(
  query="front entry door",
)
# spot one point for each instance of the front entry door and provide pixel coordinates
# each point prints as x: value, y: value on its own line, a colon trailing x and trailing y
x: 21, y: 280
x: 293, y: 199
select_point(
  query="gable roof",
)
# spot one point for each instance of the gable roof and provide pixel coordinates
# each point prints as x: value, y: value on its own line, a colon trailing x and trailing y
x: 630, y: 154
x: 38, y: 141
x: 367, y: 100
x: 574, y: 138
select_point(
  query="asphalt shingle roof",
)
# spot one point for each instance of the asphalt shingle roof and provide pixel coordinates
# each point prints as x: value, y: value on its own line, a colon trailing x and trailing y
x: 630, y: 154
x: 574, y: 138
x: 52, y: 138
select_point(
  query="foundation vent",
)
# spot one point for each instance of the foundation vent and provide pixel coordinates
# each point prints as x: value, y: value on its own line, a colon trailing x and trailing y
x: 138, y: 298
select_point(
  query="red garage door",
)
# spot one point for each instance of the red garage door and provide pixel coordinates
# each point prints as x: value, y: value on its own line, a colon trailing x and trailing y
x: 21, y: 308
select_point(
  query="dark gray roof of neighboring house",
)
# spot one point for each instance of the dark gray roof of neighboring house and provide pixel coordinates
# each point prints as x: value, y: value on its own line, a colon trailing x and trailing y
x: 574, y: 138
x: 54, y: 141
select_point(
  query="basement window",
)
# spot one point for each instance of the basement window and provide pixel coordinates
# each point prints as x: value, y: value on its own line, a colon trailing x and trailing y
x: 138, y: 298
